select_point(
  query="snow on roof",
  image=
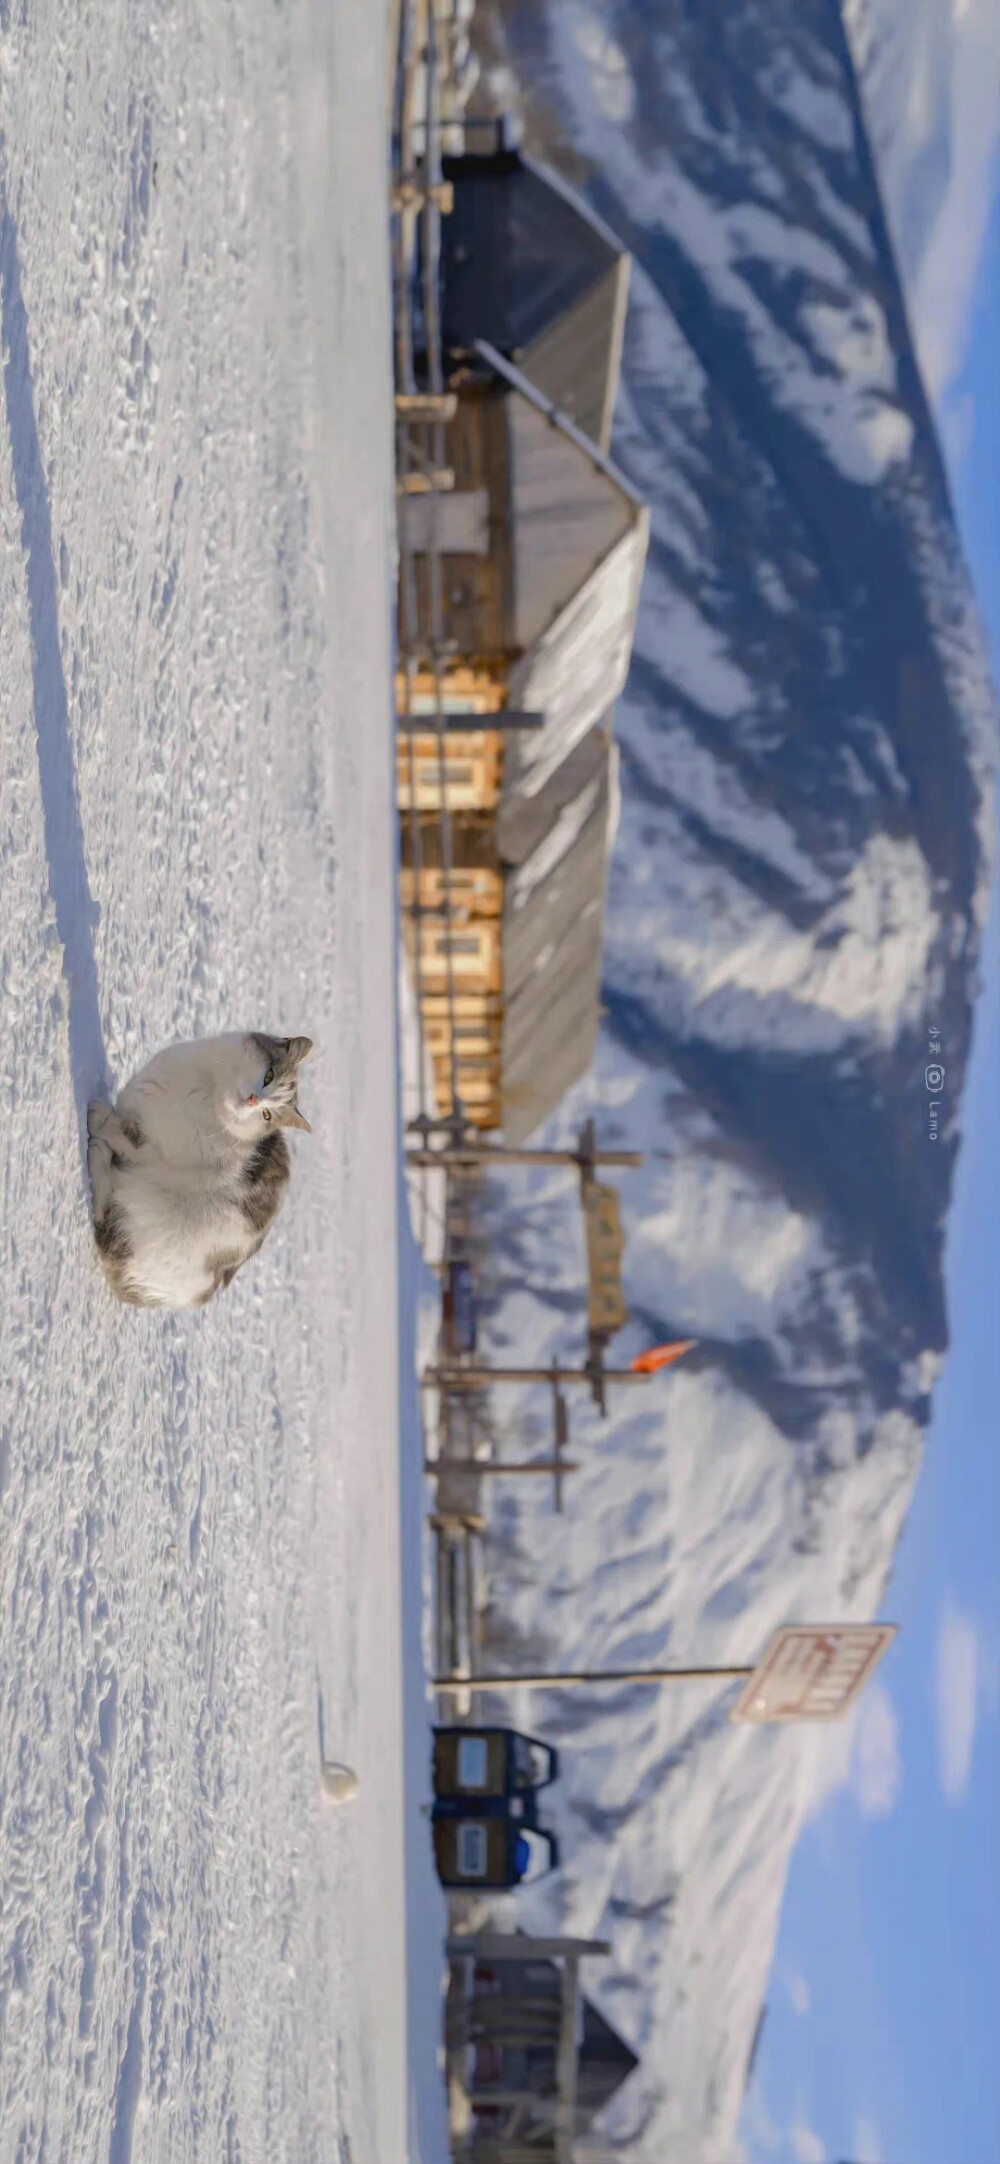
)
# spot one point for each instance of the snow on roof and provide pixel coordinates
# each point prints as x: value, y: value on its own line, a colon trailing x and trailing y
x: 553, y: 924
x: 580, y: 536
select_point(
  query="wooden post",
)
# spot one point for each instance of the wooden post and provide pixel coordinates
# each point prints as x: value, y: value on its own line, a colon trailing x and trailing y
x: 495, y: 1469
x: 560, y: 1413
x: 476, y: 1154
x: 567, y: 2057
x: 479, y: 1378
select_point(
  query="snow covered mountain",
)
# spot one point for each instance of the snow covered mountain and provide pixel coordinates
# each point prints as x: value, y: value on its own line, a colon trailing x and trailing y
x: 795, y: 908
x: 929, y: 74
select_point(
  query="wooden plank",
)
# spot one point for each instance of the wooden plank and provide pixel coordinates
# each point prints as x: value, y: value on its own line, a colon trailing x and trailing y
x: 480, y: 1378
x: 505, y: 717
x: 484, y: 1469
x: 567, y: 2057
x: 426, y: 405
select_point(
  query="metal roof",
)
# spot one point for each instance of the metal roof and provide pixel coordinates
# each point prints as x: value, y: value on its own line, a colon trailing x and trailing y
x: 518, y: 381
x: 577, y: 669
x: 557, y: 849
x: 605, y: 2061
x: 524, y: 822
x: 579, y: 537
x: 529, y: 265
x: 576, y: 360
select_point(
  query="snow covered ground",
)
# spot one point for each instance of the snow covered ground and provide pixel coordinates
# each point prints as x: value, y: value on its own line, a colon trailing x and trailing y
x: 201, y: 1959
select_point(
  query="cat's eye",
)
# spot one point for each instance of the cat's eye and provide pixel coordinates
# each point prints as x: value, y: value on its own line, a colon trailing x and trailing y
x: 265, y: 1115
x: 269, y: 1078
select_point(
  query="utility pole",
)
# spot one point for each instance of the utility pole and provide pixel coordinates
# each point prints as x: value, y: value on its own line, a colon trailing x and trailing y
x: 468, y: 1156
x: 478, y: 1378
x: 808, y: 1672
x: 472, y: 1156
x: 494, y: 1469
x: 456, y: 1378
x: 570, y: 1678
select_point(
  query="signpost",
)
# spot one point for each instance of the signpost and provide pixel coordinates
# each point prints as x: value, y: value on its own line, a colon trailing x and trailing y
x: 472, y: 1375
x: 469, y: 1153
x: 605, y: 1243
x: 810, y: 1672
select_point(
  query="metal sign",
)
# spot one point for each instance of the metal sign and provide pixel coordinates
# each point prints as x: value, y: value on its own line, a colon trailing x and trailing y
x: 813, y: 1672
x: 605, y: 1242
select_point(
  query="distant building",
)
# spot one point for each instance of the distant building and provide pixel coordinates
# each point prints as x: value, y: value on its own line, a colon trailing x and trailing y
x: 542, y: 545
x: 531, y: 2062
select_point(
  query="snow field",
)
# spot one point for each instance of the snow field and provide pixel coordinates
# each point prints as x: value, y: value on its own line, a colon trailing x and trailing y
x: 200, y: 1958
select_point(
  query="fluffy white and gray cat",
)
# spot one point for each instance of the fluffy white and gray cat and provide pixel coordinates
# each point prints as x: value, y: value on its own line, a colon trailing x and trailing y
x: 190, y: 1168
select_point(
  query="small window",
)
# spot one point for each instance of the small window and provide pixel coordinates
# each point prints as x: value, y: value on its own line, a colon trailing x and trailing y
x: 471, y: 1850
x: 472, y: 1762
x: 452, y: 702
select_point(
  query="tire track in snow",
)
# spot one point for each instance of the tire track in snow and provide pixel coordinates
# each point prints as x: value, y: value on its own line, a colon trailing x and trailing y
x: 200, y: 1510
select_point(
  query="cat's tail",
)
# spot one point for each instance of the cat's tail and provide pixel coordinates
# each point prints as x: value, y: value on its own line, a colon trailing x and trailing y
x: 111, y: 1233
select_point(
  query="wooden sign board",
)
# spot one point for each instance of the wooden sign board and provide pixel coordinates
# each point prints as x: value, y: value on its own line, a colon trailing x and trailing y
x: 605, y: 1243
x: 813, y: 1672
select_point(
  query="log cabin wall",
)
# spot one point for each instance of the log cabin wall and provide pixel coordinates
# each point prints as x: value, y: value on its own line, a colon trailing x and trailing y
x: 472, y: 528
x: 463, y: 949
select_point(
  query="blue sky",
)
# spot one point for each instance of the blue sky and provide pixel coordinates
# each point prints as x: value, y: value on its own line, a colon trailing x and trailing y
x: 881, y: 2039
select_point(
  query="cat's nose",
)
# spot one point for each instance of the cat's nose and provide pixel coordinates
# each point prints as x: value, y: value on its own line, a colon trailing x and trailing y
x: 250, y: 1100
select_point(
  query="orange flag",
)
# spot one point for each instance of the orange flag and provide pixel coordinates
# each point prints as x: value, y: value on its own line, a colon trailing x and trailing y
x: 662, y: 1356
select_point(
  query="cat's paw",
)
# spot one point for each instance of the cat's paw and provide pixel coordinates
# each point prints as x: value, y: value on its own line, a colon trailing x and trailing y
x: 98, y: 1115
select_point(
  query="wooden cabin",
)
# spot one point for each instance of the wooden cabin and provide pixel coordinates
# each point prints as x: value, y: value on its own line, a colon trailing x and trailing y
x: 542, y: 544
x: 531, y: 2062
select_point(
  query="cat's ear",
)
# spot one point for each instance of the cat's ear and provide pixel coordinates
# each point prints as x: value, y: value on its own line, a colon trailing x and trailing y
x: 290, y: 1116
x: 299, y: 1049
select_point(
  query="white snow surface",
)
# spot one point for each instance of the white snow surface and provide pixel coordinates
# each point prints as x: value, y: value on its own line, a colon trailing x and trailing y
x: 200, y: 1958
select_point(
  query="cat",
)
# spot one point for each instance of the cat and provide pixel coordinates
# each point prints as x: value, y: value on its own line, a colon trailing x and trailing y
x: 190, y: 1169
